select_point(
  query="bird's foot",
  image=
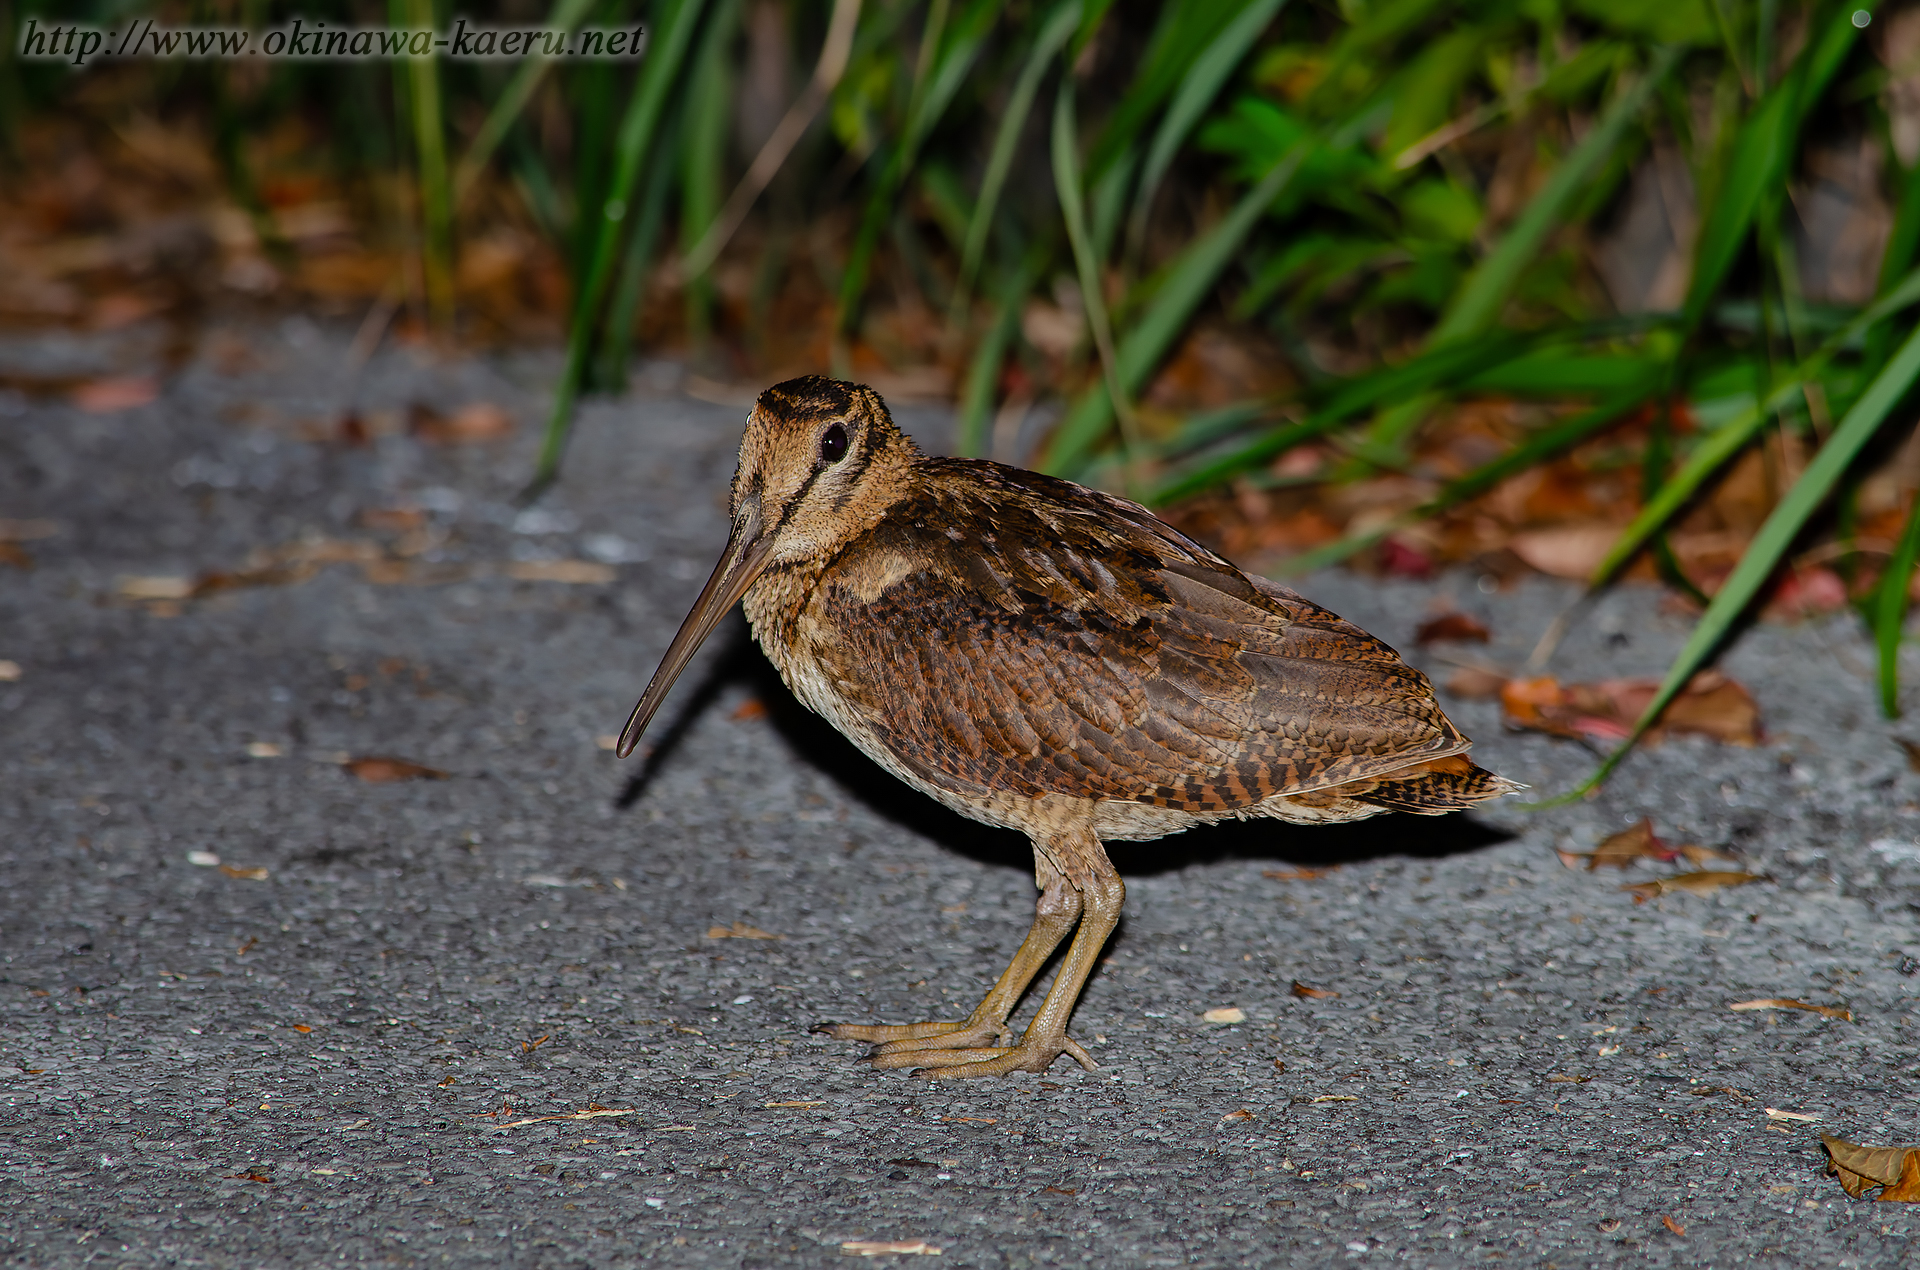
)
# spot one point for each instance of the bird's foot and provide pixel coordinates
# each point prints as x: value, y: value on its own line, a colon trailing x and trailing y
x: 902, y: 1038
x: 1032, y: 1054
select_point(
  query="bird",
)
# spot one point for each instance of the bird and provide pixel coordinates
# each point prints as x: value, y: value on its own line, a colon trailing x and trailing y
x: 1045, y: 657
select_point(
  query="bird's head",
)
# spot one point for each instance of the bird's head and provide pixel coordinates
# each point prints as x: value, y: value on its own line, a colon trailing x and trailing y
x: 820, y: 461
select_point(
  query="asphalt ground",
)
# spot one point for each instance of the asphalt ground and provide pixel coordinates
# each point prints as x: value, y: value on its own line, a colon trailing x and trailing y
x: 372, y: 1031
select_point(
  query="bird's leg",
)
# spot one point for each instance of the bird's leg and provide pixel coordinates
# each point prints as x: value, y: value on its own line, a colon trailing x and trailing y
x: 1054, y: 914
x: 1046, y: 1037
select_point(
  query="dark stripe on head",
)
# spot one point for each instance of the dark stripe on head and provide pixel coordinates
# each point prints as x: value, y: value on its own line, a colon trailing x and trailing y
x: 809, y: 398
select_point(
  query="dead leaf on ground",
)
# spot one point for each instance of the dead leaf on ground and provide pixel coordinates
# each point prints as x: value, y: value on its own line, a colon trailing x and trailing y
x: 123, y: 392
x: 1895, y: 1169
x: 476, y: 422
x: 1704, y: 883
x: 1456, y: 627
x: 15, y: 555
x: 1568, y: 1080
x: 1306, y: 993
x: 1673, y: 1225
x: 1060, y: 1190
x: 575, y: 572
x: 1604, y: 712
x: 740, y: 930
x: 255, y: 874
x: 1913, y: 752
x: 1242, y: 1114
x: 1788, y: 1003
x: 751, y: 708
x: 1798, y: 1117
x: 1294, y: 875
x: 889, y: 1247
x: 1476, y: 683
x: 1619, y: 850
x: 379, y: 770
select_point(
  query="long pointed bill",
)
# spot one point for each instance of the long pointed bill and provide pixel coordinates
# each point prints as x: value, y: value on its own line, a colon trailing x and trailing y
x: 744, y: 560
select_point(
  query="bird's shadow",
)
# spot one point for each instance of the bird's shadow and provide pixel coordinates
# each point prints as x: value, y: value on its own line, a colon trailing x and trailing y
x: 816, y: 742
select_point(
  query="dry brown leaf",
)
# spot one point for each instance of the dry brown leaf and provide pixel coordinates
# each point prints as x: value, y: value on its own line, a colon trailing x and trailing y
x: 740, y: 930
x: 1305, y: 993
x: 576, y: 572
x: 1566, y: 551
x: 1673, y: 1225
x: 476, y: 422
x: 1456, y: 627
x: 889, y: 1247
x: 1913, y: 752
x: 1693, y: 883
x: 1294, y: 875
x: 1860, y: 1169
x: 751, y: 708
x: 1695, y: 854
x: 1476, y: 683
x: 810, y: 1102
x: 105, y: 396
x: 1568, y: 1080
x: 1604, y: 712
x: 1788, y: 1003
x: 154, y: 587
x: 1242, y: 1114
x: 255, y: 874
x: 14, y: 555
x: 380, y: 771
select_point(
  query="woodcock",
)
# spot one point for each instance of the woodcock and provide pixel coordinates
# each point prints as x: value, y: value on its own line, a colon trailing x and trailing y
x: 1048, y: 658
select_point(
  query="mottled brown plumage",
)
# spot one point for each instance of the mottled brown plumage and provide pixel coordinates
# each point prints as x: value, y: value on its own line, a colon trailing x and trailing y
x: 1052, y: 659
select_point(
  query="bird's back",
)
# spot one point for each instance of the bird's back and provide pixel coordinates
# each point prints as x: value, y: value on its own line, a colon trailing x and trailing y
x: 1002, y: 633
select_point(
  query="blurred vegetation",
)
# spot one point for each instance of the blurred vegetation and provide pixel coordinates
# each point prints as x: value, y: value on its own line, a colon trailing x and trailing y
x: 1393, y: 281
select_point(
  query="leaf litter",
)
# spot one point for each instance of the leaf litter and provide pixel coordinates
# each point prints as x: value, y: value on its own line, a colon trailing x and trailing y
x: 1896, y: 1170
x: 1604, y: 712
x: 1788, y: 1003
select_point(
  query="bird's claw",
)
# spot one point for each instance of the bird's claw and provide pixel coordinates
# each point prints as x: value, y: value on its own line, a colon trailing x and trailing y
x: 1033, y: 1054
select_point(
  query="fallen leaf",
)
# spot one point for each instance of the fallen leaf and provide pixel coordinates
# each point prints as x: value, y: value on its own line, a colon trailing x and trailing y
x: 1568, y: 1080
x: 807, y: 1102
x: 1294, y: 875
x: 1619, y: 850
x: 740, y: 930
x: 301, y: 1027
x: 155, y: 587
x: 1456, y: 627
x: 263, y: 749
x: 394, y: 519
x: 1403, y: 560
x: 575, y: 572
x: 751, y: 708
x: 380, y: 771
x: 1337, y: 1098
x: 255, y: 874
x: 971, y: 1119
x: 1705, y: 855
x: 1225, y: 1014
x: 1476, y: 683
x: 1896, y: 1169
x: 14, y: 554
x: 909, y: 1162
x: 1673, y: 1225
x: 1305, y: 993
x: 528, y: 1047
x: 104, y: 396
x: 886, y: 1247
x: 1061, y: 1190
x: 1774, y: 1113
x: 1242, y: 1114
x: 475, y: 422
x: 1565, y: 551
x: 1692, y: 883
x: 1805, y: 593
x: 1710, y: 705
x: 1788, y: 1003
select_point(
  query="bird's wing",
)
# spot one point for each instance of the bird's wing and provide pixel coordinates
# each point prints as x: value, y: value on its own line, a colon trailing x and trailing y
x: 1004, y: 631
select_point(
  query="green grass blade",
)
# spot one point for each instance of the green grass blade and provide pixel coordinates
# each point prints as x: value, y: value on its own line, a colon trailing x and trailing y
x: 1066, y: 183
x: 666, y: 54
x: 1187, y: 283
x: 1890, y: 610
x: 1770, y: 545
x: 1762, y: 151
x: 1054, y: 33
x: 1537, y: 449
x: 436, y: 189
x: 1732, y: 436
x: 1196, y: 92
x: 1477, y: 305
x: 513, y: 99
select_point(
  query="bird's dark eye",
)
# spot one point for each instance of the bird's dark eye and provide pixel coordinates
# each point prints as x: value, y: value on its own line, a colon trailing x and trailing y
x: 833, y: 444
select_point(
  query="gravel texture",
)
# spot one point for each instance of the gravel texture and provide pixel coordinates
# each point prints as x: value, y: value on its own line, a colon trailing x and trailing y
x: 375, y: 1052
